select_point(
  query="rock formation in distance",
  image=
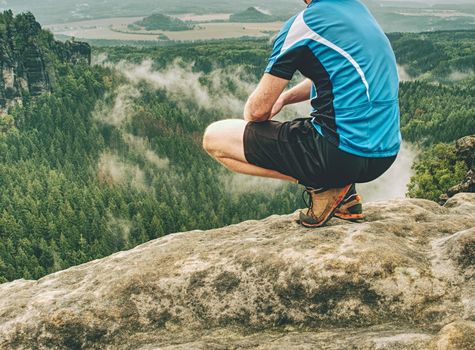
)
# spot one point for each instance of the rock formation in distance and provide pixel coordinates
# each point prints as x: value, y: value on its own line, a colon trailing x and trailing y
x: 29, y: 57
x: 465, y: 148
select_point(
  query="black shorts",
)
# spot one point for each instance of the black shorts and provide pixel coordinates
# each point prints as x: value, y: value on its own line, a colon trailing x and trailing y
x: 296, y: 149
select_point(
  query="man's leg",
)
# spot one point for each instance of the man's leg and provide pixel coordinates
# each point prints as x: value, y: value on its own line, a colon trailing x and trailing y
x: 223, y: 140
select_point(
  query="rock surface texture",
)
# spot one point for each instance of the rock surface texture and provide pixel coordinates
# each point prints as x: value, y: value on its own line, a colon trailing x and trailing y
x: 402, y: 279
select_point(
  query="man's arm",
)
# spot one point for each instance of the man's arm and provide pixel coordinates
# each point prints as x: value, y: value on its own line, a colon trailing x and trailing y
x: 298, y: 93
x: 259, y: 105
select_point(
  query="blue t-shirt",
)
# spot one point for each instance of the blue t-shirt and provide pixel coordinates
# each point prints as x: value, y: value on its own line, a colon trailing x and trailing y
x: 339, y: 46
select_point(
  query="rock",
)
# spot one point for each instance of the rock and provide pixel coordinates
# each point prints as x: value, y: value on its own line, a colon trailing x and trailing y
x: 77, y: 52
x: 468, y: 185
x: 403, y: 279
x: 28, y: 56
x: 465, y: 148
x: 457, y: 336
x: 35, y: 69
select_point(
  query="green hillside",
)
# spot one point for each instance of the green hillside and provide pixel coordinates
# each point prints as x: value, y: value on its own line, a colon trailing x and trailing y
x: 162, y: 22
x: 251, y: 15
x: 76, y: 187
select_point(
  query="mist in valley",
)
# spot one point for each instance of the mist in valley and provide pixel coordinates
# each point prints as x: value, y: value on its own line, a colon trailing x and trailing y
x: 182, y: 86
x: 393, y: 184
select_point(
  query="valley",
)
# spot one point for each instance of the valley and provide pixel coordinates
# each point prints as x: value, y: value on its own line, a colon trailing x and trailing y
x: 117, y: 29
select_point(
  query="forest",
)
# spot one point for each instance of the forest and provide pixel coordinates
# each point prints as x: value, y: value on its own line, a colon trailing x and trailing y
x: 112, y: 157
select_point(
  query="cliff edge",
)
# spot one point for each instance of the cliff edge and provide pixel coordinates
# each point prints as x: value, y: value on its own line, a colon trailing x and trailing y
x: 403, y: 279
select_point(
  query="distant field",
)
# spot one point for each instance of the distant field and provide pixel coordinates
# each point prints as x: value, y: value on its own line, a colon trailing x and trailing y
x: 215, y: 25
x: 116, y: 29
x: 92, y: 28
x: 437, y: 13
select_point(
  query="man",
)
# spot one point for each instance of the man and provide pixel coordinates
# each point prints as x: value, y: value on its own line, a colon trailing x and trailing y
x: 353, y: 133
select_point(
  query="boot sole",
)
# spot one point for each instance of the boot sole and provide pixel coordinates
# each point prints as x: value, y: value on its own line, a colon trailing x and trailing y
x: 350, y: 217
x: 337, y: 204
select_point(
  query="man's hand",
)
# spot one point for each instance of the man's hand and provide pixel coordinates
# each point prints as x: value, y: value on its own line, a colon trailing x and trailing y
x: 261, y: 102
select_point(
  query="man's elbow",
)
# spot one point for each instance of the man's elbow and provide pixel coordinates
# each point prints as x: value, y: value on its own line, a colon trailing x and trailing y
x: 257, y: 116
x: 254, y: 112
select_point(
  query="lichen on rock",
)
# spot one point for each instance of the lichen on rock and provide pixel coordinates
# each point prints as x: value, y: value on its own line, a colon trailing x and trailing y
x: 402, y: 279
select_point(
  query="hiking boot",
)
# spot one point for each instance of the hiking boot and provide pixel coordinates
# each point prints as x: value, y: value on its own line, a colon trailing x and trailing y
x: 351, y: 207
x: 322, y: 206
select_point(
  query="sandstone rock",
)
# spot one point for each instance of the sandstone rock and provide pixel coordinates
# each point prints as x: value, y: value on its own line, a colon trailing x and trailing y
x: 78, y: 52
x: 403, y: 279
x: 457, y: 336
x: 35, y: 68
x: 27, y: 62
x: 465, y: 148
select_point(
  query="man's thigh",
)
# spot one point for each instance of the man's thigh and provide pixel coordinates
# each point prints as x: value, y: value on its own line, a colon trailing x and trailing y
x: 224, y: 139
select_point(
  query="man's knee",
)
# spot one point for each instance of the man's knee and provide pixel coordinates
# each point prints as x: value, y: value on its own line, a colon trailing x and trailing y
x: 212, y: 138
x: 225, y: 138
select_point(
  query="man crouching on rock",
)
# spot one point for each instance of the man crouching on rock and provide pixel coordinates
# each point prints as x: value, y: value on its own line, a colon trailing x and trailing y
x: 352, y: 134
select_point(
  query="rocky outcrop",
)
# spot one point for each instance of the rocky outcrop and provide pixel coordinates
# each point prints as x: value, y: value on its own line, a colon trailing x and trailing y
x: 465, y: 148
x: 402, y: 279
x: 76, y: 52
x: 28, y: 56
